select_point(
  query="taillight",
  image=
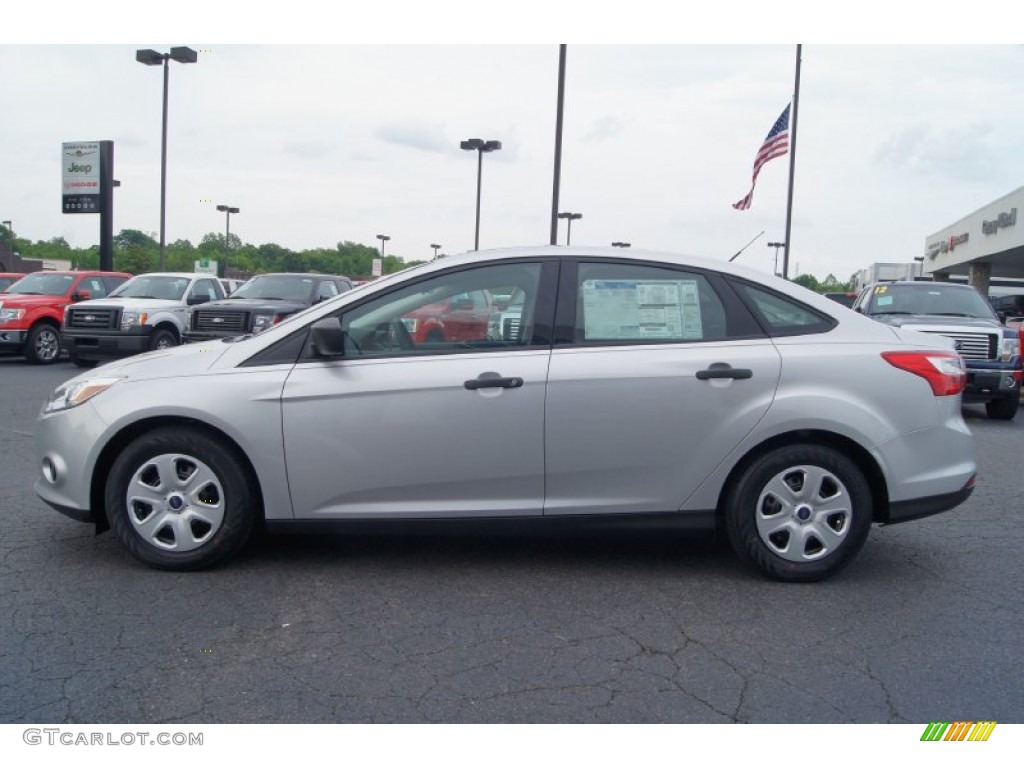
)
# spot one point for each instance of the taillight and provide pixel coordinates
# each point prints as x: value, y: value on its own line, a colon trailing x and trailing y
x: 944, y: 371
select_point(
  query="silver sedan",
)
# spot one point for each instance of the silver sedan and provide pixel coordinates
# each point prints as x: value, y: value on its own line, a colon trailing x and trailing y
x: 635, y: 389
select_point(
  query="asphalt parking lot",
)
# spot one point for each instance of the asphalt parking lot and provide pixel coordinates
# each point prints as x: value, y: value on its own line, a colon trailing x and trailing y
x: 925, y: 625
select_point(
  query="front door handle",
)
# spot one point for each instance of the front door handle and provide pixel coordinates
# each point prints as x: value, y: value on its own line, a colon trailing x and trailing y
x: 724, y: 371
x: 491, y: 380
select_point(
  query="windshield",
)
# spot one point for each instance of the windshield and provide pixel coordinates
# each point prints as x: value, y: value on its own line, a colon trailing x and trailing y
x: 43, y: 284
x: 280, y: 287
x: 153, y: 287
x: 929, y: 299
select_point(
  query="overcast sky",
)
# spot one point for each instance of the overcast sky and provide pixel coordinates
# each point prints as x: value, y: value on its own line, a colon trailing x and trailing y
x: 321, y: 143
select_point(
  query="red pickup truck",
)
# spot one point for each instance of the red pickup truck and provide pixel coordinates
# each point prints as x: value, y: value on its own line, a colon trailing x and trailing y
x: 31, y: 309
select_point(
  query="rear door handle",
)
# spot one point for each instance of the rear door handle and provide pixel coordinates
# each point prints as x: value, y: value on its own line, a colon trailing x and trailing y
x: 724, y: 371
x: 493, y: 381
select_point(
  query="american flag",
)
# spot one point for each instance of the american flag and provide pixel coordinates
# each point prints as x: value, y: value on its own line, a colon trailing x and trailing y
x: 776, y: 144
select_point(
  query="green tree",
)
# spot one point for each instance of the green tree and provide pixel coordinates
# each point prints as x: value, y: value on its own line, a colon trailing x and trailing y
x: 808, y: 281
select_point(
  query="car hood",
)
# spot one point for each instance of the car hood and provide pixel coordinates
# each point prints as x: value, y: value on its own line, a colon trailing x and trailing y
x: 910, y: 321
x: 130, y: 303
x: 184, y: 360
x: 26, y: 300
x: 268, y: 306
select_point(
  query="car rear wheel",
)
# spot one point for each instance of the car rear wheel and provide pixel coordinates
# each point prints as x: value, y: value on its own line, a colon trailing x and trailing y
x: 42, y: 346
x: 180, y: 499
x: 799, y: 512
x: 1005, y: 408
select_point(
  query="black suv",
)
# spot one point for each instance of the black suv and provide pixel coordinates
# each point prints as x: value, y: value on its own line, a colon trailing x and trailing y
x: 990, y: 351
x: 261, y: 302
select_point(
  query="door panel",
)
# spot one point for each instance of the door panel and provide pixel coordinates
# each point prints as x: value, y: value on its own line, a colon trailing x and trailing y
x: 632, y: 429
x: 405, y: 437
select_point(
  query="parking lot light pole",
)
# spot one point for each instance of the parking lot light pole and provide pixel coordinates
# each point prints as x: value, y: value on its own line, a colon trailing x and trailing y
x: 228, y: 210
x: 10, y: 229
x: 436, y: 247
x: 480, y: 146
x: 571, y: 217
x: 383, y: 239
x: 149, y: 57
x: 776, y: 246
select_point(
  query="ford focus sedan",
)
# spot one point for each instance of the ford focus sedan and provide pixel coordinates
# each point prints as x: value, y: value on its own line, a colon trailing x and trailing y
x: 636, y: 389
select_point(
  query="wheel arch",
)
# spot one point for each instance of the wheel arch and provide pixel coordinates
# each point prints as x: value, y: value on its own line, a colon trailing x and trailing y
x: 851, y: 449
x: 123, y: 438
x: 168, y: 325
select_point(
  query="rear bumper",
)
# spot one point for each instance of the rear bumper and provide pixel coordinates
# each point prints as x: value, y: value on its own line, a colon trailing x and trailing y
x: 902, y: 511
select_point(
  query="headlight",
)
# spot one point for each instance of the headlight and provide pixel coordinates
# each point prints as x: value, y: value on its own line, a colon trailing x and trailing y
x: 130, y: 319
x: 262, y: 322
x: 75, y: 393
x: 10, y: 315
x: 1009, y: 349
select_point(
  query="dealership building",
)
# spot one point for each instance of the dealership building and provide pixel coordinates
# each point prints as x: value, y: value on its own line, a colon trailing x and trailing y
x: 983, y: 247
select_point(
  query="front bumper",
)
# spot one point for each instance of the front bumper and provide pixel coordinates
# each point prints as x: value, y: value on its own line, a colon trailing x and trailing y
x: 106, y: 345
x: 67, y: 444
x: 993, y: 380
x: 11, y: 340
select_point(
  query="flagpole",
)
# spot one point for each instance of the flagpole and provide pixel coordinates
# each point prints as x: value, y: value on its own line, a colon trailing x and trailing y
x: 792, y: 167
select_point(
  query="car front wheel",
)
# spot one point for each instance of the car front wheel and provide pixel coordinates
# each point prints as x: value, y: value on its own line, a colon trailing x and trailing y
x: 799, y: 512
x: 180, y: 499
x: 162, y: 339
x: 1004, y: 409
x: 42, y: 346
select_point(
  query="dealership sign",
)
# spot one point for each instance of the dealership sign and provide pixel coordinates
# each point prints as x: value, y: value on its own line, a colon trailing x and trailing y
x: 1000, y: 221
x: 945, y: 246
x: 80, y: 177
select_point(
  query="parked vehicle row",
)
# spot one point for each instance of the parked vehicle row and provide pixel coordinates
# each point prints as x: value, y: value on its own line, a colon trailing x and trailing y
x: 97, y: 316
x: 991, y: 351
x: 636, y: 389
x: 32, y: 313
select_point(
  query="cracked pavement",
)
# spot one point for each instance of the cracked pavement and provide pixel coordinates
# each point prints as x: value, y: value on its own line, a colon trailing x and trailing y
x: 640, y: 628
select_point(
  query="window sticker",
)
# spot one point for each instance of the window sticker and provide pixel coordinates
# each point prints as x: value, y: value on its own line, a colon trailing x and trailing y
x: 884, y: 301
x: 881, y: 288
x: 641, y: 309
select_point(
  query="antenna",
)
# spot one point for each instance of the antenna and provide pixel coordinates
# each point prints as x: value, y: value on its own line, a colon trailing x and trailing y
x: 741, y: 250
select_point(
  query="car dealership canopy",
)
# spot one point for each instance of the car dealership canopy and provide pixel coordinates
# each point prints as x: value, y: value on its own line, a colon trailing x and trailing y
x: 984, y: 245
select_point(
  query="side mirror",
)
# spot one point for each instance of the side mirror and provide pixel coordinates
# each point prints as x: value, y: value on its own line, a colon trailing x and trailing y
x: 328, y: 338
x: 1002, y: 317
x: 82, y: 295
x: 193, y: 300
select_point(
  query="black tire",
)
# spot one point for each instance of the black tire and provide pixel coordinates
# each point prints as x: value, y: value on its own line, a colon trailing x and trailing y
x: 42, y: 345
x: 162, y: 339
x: 197, y: 519
x: 775, y: 524
x: 1005, y: 408
x: 81, y: 362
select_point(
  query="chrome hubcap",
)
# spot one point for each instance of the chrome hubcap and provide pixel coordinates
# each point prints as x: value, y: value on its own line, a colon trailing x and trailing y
x: 175, y: 502
x: 804, y: 513
x: 47, y: 345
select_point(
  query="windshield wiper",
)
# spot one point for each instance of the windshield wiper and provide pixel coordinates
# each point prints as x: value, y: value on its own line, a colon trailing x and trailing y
x: 953, y: 314
x: 894, y: 312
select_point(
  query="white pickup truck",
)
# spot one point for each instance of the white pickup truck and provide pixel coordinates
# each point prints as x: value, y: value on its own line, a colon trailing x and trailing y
x: 148, y: 312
